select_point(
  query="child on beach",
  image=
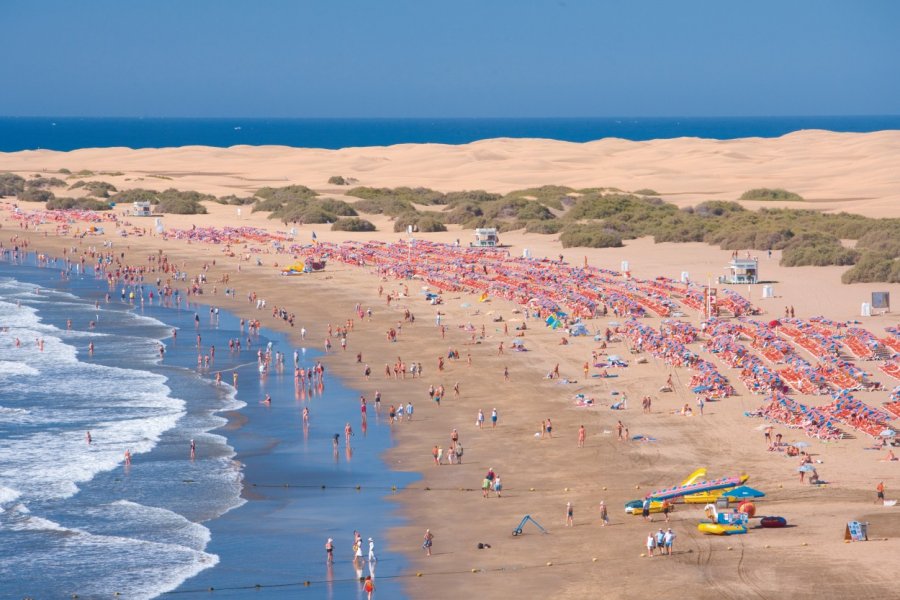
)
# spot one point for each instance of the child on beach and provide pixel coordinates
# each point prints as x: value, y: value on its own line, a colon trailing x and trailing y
x: 369, y: 587
x: 429, y: 537
x: 570, y: 515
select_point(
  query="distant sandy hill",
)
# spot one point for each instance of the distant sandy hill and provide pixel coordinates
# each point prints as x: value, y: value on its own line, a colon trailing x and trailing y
x: 854, y: 172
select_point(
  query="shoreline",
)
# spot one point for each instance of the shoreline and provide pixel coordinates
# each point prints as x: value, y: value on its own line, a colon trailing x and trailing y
x: 411, y: 453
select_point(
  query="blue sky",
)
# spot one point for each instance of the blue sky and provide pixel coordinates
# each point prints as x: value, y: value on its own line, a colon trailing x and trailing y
x: 424, y: 58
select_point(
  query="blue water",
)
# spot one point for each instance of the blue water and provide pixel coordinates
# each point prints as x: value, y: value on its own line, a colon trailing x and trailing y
x: 75, y: 520
x: 68, y: 133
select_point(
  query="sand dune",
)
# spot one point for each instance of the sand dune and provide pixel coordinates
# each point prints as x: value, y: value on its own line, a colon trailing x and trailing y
x: 833, y: 171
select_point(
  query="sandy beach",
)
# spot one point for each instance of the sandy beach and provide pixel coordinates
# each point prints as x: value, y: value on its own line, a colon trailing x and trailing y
x: 834, y: 171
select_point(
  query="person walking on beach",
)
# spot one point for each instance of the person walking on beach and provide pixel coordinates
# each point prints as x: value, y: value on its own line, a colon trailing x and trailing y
x: 604, y: 514
x: 581, y: 436
x: 570, y: 515
x: 479, y: 420
x: 494, y: 418
x: 549, y: 427
x: 429, y: 541
x: 372, y: 550
x: 434, y: 453
x: 329, y: 551
x: 651, y: 544
x: 498, y: 487
x: 879, y: 493
x: 669, y: 540
x: 506, y: 373
x: 369, y: 587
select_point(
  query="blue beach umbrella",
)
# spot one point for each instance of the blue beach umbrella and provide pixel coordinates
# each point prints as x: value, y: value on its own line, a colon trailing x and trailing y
x: 744, y: 492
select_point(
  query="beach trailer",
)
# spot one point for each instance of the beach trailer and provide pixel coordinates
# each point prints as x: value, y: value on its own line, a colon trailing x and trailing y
x: 486, y: 237
x: 141, y: 209
x: 742, y: 270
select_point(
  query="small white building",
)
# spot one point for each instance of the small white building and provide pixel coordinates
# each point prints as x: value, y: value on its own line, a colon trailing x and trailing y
x: 486, y: 237
x: 742, y: 270
x: 141, y: 209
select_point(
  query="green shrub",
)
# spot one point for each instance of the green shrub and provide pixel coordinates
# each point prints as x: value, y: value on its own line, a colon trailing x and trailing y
x: 337, y: 207
x: 64, y: 171
x: 646, y: 192
x: 470, y: 196
x: 589, y: 236
x: 352, y: 224
x: 548, y: 195
x: 337, y: 180
x: 816, y: 249
x: 288, y: 192
x: 44, y: 182
x: 872, y: 267
x: 99, y: 189
x: 136, y: 195
x: 388, y: 206
x: 518, y: 209
x: 771, y: 194
x: 30, y: 194
x: 409, y: 195
x: 11, y: 184
x: 421, y: 222
x: 883, y: 239
x: 549, y: 226
x: 464, y: 213
x: 77, y: 203
x: 304, y: 213
x: 235, y: 200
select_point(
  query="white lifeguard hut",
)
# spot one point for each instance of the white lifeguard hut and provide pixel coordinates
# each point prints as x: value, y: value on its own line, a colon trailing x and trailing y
x: 742, y: 270
x: 486, y: 237
x: 141, y: 209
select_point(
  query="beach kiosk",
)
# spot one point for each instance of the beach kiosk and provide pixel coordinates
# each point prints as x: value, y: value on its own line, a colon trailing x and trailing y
x: 140, y: 209
x: 742, y: 270
x: 486, y: 237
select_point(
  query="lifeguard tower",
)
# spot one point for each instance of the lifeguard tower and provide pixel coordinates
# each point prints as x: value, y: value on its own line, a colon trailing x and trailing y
x: 742, y: 270
x: 140, y: 209
x: 486, y: 237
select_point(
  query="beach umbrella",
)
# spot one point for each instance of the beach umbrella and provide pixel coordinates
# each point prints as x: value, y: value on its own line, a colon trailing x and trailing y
x: 744, y: 492
x: 806, y: 468
x: 888, y: 433
x: 774, y: 323
x: 701, y: 388
x: 800, y: 444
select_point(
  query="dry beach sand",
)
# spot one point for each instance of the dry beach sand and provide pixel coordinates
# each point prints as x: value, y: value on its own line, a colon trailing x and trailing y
x: 851, y: 172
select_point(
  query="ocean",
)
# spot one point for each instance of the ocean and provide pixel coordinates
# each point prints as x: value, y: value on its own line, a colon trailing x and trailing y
x: 253, y: 507
x: 71, y: 133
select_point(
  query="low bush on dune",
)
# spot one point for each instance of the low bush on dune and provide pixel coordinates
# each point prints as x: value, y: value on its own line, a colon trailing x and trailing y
x: 406, y: 194
x: 421, y: 222
x: 30, y: 194
x: 391, y: 207
x: 233, y: 200
x: 44, y: 182
x: 546, y: 227
x: 872, y: 267
x: 11, y: 184
x: 337, y: 180
x: 352, y: 224
x: 553, y: 196
x: 77, y: 203
x: 816, y: 249
x: 646, y: 192
x: 589, y: 236
x: 98, y: 189
x: 771, y: 194
x: 135, y: 195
